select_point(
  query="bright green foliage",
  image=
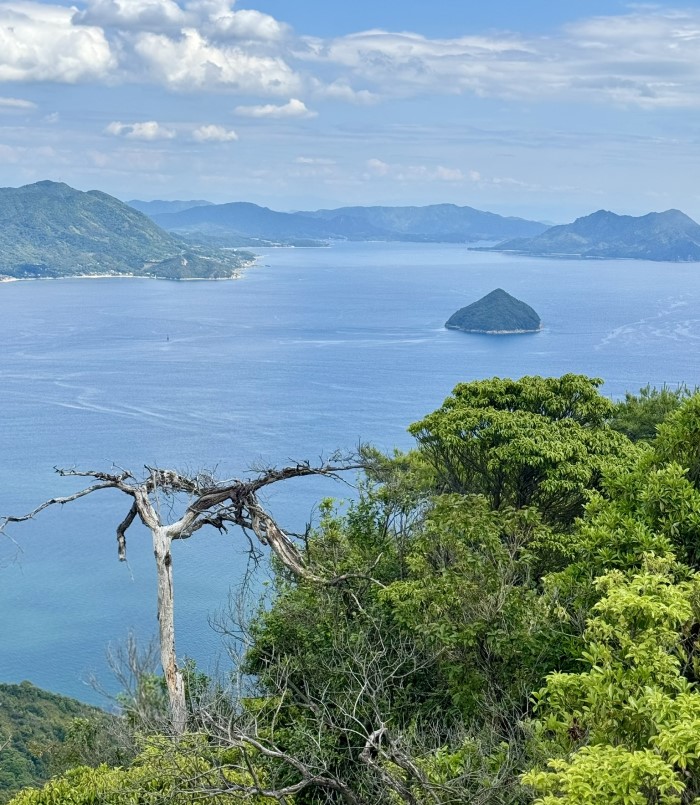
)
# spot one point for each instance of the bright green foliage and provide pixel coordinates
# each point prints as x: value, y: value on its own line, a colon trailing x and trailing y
x: 608, y: 775
x: 679, y: 439
x: 651, y: 509
x: 539, y: 442
x: 624, y: 727
x: 632, y: 647
x: 639, y: 415
x: 440, y: 631
x: 164, y: 773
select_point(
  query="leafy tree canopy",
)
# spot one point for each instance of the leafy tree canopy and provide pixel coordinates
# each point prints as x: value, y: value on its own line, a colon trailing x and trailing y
x: 536, y: 441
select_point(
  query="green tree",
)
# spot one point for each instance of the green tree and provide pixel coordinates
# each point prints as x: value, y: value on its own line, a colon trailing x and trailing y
x: 639, y: 415
x: 471, y: 597
x: 540, y: 442
x: 678, y: 439
x: 625, y: 729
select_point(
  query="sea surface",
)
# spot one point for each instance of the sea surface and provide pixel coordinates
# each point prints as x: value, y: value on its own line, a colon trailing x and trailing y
x: 313, y: 350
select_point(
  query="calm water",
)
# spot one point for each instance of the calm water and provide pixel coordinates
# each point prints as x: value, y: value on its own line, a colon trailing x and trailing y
x: 313, y: 350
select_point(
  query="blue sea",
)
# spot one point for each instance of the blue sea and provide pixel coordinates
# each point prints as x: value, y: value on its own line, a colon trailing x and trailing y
x: 311, y: 351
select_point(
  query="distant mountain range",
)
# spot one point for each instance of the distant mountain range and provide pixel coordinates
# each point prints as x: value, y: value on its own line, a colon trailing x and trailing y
x: 49, y: 229
x: 159, y: 206
x: 670, y: 235
x: 244, y: 223
x: 664, y: 236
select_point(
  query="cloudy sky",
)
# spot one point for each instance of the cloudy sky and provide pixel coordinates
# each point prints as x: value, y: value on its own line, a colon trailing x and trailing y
x: 543, y: 109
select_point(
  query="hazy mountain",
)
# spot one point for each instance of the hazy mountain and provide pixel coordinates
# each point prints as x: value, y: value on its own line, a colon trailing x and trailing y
x: 669, y: 235
x: 494, y: 314
x: 242, y: 219
x: 157, y: 207
x: 436, y: 223
x: 48, y: 229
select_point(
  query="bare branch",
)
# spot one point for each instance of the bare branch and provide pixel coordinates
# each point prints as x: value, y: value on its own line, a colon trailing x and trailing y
x: 122, y: 528
x: 210, y: 503
x: 4, y: 521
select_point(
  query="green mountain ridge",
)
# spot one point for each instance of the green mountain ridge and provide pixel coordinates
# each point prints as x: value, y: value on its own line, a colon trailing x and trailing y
x: 660, y: 236
x: 50, y: 230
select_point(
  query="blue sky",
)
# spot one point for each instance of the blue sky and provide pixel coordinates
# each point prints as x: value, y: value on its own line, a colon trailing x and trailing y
x: 541, y: 109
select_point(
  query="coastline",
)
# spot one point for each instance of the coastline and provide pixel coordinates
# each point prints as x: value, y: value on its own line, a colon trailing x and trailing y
x: 236, y: 275
x: 119, y: 277
x: 496, y: 332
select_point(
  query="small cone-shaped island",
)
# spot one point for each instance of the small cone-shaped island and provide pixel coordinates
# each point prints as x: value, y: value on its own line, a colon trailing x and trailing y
x: 497, y: 313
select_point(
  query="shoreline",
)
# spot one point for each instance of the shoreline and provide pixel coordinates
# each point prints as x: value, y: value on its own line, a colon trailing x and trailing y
x: 495, y: 332
x: 238, y: 274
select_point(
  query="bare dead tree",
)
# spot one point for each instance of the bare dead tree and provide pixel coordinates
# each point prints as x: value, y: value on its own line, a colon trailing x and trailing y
x: 209, y: 502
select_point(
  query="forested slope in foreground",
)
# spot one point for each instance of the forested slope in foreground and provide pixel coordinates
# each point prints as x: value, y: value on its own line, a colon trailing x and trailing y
x: 42, y: 734
x: 509, y: 613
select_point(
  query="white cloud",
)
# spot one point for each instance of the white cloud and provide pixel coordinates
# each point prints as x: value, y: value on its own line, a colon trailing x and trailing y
x: 39, y: 43
x: 148, y: 130
x: 448, y: 174
x: 294, y: 108
x: 340, y: 90
x: 411, y: 173
x: 214, y: 18
x: 377, y: 167
x: 246, y: 24
x: 314, y: 161
x: 200, y: 44
x: 648, y: 58
x: 214, y: 134
x: 189, y: 61
x: 127, y: 15
x: 9, y: 155
x: 16, y: 104
x: 16, y: 155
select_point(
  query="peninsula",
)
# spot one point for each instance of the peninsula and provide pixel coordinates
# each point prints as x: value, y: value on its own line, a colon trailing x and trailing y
x: 497, y: 313
x: 49, y: 230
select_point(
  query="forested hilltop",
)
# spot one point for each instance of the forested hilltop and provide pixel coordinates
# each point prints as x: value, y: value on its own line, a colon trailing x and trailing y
x: 509, y: 613
x: 51, y: 230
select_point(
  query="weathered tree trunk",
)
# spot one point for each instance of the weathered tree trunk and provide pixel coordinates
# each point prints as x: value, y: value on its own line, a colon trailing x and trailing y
x: 166, y: 624
x: 212, y: 503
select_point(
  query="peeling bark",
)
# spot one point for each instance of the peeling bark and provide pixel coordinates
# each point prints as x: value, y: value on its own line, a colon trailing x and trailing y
x: 166, y: 629
x: 212, y: 503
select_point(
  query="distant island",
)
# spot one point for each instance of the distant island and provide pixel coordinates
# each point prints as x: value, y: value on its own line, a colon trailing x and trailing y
x: 51, y: 230
x: 669, y: 236
x: 497, y: 313
x: 241, y: 223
